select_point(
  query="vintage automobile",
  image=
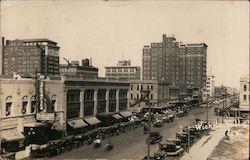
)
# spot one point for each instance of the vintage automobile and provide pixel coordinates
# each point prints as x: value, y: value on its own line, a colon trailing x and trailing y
x: 158, y: 123
x: 155, y: 137
x: 84, y: 139
x: 156, y: 156
x: 171, y: 149
x: 49, y: 149
x: 175, y: 141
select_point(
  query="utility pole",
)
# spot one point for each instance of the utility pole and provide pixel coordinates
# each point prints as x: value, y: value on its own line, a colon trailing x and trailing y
x: 207, y: 108
x: 149, y: 130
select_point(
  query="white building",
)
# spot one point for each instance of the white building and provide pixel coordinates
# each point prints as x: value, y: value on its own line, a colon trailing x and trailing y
x: 123, y: 71
x: 210, y: 86
x: 244, y: 93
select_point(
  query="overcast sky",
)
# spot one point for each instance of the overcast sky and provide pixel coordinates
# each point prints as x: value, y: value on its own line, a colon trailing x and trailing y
x: 108, y: 31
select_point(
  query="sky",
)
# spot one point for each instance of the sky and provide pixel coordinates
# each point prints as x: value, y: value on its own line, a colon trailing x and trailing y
x: 109, y: 31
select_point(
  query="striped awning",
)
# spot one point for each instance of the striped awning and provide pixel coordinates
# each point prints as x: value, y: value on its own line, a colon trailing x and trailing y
x: 78, y: 123
x: 92, y: 120
x: 117, y: 116
x: 126, y: 114
x: 11, y: 135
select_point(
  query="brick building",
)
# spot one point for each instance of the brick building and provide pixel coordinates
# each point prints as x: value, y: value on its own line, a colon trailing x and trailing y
x: 26, y: 56
x: 184, y: 65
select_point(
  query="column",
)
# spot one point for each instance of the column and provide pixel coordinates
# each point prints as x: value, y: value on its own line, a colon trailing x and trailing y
x: 107, y: 100
x: 117, y: 99
x: 82, y: 103
x: 95, y: 100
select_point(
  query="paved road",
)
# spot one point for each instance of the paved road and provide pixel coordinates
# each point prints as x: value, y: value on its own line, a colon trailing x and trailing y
x: 131, y: 145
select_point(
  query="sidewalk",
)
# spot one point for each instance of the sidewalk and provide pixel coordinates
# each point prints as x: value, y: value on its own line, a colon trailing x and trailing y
x: 202, y: 149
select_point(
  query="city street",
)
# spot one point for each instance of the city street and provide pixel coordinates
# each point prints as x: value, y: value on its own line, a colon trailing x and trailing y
x: 131, y: 145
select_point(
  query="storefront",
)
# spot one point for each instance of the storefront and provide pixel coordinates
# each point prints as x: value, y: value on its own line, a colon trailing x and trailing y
x: 12, y: 140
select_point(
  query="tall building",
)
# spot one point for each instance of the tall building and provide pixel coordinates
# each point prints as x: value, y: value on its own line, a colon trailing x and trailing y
x: 26, y: 56
x: 74, y: 69
x: 183, y: 65
x: 123, y: 71
x: 210, y: 86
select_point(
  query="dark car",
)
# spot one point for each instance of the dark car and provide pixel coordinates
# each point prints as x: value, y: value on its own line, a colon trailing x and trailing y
x: 155, y: 137
x: 171, y: 149
x: 50, y: 149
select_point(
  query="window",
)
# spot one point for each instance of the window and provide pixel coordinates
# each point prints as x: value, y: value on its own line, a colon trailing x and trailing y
x: 151, y: 96
x: 131, y: 87
x: 245, y: 97
x: 8, y: 108
x: 137, y: 87
x: 141, y: 87
x: 24, y: 107
x: 152, y: 87
x: 131, y: 96
x: 245, y: 87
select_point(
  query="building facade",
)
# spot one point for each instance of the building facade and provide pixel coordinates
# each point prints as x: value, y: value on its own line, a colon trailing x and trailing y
x: 181, y: 64
x: 210, y: 87
x: 28, y: 56
x: 65, y: 104
x: 123, y: 71
x: 244, y: 93
x: 74, y: 69
x: 159, y: 93
x: 19, y: 108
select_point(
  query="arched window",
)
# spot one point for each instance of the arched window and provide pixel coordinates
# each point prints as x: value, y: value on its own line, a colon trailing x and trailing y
x: 24, y: 104
x: 33, y: 104
x: 8, y: 105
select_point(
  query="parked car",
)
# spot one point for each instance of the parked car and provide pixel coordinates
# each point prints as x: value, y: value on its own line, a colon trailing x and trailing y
x: 171, y: 149
x: 158, y: 123
x: 155, y: 137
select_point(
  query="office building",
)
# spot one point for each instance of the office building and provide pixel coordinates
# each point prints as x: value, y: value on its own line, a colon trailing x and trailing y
x: 123, y: 71
x: 26, y: 56
x: 74, y: 69
x: 183, y: 65
x: 210, y: 87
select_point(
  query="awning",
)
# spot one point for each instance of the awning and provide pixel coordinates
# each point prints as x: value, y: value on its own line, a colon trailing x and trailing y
x: 78, y: 123
x: 34, y: 124
x: 117, y: 116
x: 11, y: 135
x: 92, y: 120
x: 126, y: 114
x: 57, y: 126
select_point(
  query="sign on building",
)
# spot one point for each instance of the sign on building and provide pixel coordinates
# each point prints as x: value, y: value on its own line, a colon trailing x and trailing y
x: 45, y: 116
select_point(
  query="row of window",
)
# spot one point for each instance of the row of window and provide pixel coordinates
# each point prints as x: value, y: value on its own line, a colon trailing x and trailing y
x: 141, y: 87
x: 121, y: 70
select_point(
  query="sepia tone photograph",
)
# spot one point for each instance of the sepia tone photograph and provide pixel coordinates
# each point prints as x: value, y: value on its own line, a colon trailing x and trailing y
x: 124, y: 80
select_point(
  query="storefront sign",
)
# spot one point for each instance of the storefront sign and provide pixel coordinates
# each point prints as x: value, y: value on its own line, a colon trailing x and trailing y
x: 45, y: 116
x: 41, y: 92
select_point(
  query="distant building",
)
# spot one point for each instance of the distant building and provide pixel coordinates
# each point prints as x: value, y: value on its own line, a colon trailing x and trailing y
x: 26, y: 56
x: 184, y: 65
x: 123, y: 71
x: 210, y: 86
x: 159, y: 92
x: 244, y: 93
x: 74, y: 69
